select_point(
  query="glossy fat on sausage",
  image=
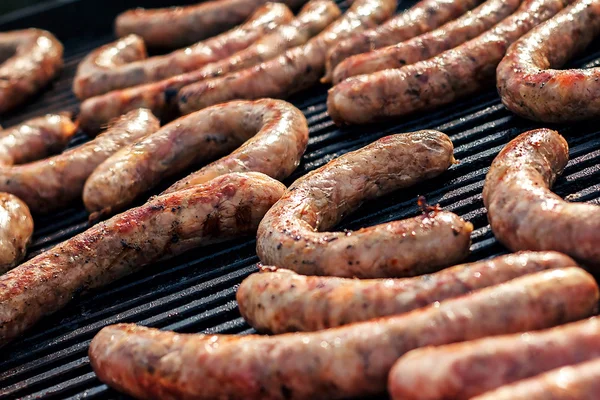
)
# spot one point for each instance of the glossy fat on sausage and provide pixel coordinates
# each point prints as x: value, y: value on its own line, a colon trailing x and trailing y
x: 29, y: 60
x: 295, y: 70
x: 427, y: 45
x: 278, y: 300
x: 440, y: 80
x: 525, y: 214
x: 353, y: 360
x: 464, y: 370
x: 182, y: 26
x: 292, y: 233
x: 16, y: 228
x: 527, y: 82
x: 226, y: 207
x: 105, y: 69
x: 270, y: 137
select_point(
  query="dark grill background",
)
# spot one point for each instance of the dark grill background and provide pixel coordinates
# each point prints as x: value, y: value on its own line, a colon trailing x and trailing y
x: 196, y: 292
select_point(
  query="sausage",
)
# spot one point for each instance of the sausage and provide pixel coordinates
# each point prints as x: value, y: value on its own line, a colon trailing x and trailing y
x: 104, y: 70
x: 464, y: 370
x: 297, y: 69
x: 427, y: 45
x: 161, y: 98
x: 577, y: 382
x: 16, y: 228
x: 291, y: 235
x: 181, y: 26
x: 527, y: 80
x: 277, y: 300
x: 423, y: 17
x: 270, y: 137
x: 440, y: 80
x: 29, y: 60
x: 524, y: 213
x: 226, y: 207
x: 349, y: 361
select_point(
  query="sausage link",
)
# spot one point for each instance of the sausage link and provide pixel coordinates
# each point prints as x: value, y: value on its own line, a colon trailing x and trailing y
x: 277, y: 300
x: 290, y: 237
x: 524, y: 214
x: 343, y: 362
x: 293, y: 71
x: 440, y: 80
x: 228, y: 206
x: 29, y: 60
x: 275, y: 135
x: 527, y: 81
x: 97, y: 75
x: 427, y: 45
x: 464, y: 370
x: 16, y: 228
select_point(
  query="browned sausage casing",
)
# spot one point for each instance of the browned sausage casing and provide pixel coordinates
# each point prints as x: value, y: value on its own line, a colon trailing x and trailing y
x: 277, y: 300
x: 352, y: 360
x: 440, y: 80
x: 464, y: 370
x: 290, y: 236
x: 228, y: 206
x: 271, y: 135
x: 527, y: 82
x: 29, y: 60
x: 524, y: 214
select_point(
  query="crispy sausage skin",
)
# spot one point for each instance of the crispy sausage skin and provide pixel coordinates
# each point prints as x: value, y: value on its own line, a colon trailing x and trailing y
x: 104, y: 70
x: 524, y: 213
x: 29, y: 60
x: 295, y: 70
x: 464, y: 370
x: 228, y: 206
x: 270, y: 137
x: 440, y: 80
x: 291, y: 235
x: 352, y: 360
x: 16, y: 228
x: 527, y: 82
x: 181, y: 26
x: 427, y: 45
x: 276, y: 300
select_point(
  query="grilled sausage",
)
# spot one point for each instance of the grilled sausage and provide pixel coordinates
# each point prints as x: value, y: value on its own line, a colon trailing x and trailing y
x: 16, y: 228
x: 277, y: 300
x: 289, y: 235
x: 524, y: 213
x: 228, y: 206
x: 29, y: 60
x: 423, y: 17
x: 527, y: 82
x: 275, y: 135
x: 440, y: 80
x: 105, y: 70
x: 295, y: 70
x: 181, y: 26
x: 462, y: 371
x: 336, y: 363
x: 427, y: 45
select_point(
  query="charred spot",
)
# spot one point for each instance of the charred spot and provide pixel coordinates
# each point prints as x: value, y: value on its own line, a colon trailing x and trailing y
x: 279, y: 246
x: 214, y: 138
x: 243, y: 216
x: 174, y: 238
x: 170, y: 94
x: 211, y: 225
x: 157, y: 207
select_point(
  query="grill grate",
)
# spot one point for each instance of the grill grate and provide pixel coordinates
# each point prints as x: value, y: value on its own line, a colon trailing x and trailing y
x: 195, y: 292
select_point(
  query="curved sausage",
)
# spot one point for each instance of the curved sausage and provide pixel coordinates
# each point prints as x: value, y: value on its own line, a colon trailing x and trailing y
x: 182, y: 26
x: 291, y: 234
x: 524, y: 213
x: 527, y: 82
x: 440, y: 80
x: 103, y: 70
x: 427, y: 45
x: 226, y: 207
x: 343, y: 362
x: 464, y: 370
x: 29, y: 60
x: 16, y: 228
x: 423, y: 17
x: 293, y: 71
x: 272, y: 134
x: 276, y: 300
